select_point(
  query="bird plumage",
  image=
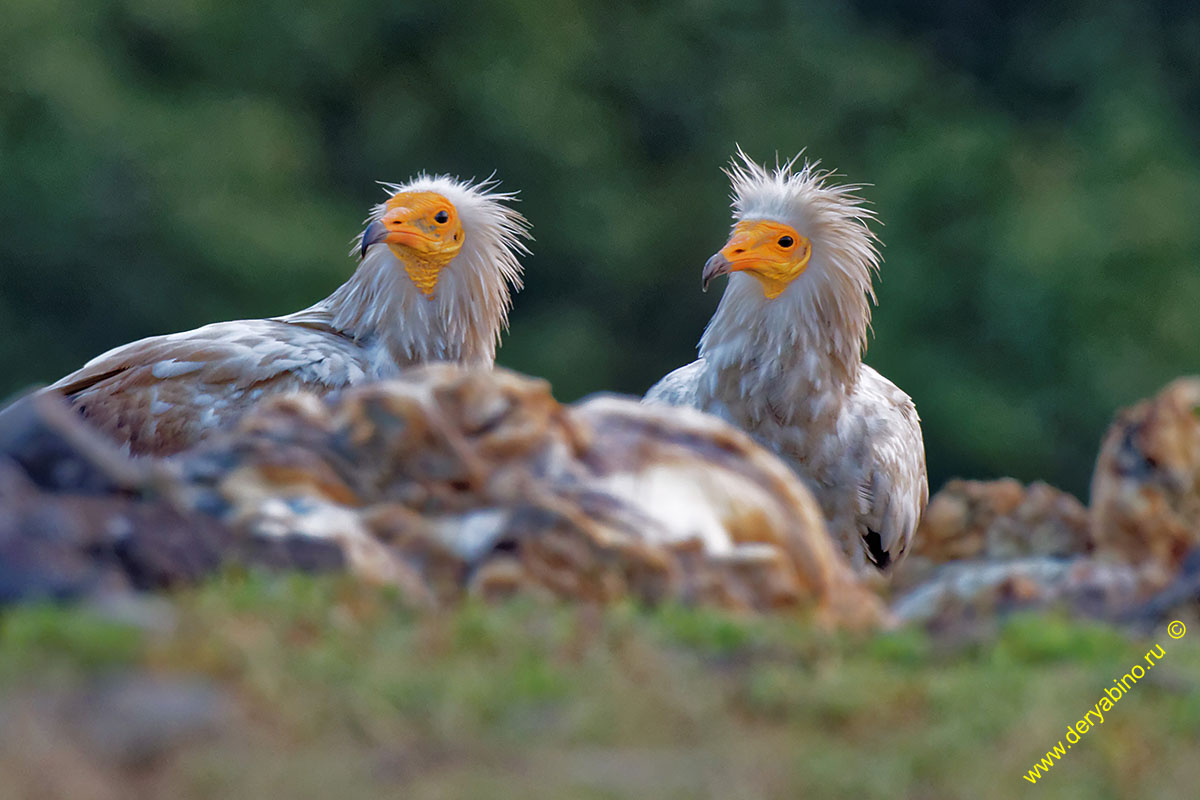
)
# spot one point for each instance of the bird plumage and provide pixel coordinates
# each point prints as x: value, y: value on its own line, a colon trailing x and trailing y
x: 782, y: 356
x: 162, y: 394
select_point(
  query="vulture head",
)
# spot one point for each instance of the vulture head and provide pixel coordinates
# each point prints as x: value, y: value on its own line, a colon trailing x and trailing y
x: 800, y: 257
x: 440, y: 258
x: 436, y: 226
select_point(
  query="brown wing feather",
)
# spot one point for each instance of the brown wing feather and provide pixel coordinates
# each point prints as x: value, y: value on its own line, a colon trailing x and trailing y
x: 161, y: 395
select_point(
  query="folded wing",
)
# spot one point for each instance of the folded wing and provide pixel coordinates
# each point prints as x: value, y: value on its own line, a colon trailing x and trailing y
x: 163, y: 393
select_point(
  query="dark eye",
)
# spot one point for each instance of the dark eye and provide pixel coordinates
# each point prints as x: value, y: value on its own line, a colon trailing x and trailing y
x: 441, y: 217
x: 786, y: 241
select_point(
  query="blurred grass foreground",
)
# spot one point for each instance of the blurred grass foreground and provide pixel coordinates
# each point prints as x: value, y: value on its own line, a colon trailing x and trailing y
x: 312, y: 688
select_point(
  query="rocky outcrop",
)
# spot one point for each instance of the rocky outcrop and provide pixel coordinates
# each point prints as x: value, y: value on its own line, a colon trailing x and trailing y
x: 449, y: 483
x: 453, y: 481
x: 960, y: 593
x: 78, y: 519
x: 1134, y: 554
x: 444, y: 483
x: 1145, y: 495
x: 994, y: 520
x: 989, y: 547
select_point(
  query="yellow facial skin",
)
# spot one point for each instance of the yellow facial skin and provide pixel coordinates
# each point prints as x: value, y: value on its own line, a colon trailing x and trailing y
x: 423, y: 230
x: 772, y: 252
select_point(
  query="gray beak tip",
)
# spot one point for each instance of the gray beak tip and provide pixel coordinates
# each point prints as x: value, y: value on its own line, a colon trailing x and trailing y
x: 715, y: 266
x: 374, y: 233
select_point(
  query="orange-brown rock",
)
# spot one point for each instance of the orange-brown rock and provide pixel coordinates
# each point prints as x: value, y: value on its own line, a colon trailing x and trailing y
x: 994, y: 520
x: 450, y: 481
x: 1145, y: 496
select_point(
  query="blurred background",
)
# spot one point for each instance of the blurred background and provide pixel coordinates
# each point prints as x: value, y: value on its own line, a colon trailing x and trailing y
x: 1035, y: 168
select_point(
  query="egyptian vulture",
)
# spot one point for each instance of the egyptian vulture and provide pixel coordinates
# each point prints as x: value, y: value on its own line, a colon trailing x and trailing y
x: 782, y: 356
x: 438, y: 259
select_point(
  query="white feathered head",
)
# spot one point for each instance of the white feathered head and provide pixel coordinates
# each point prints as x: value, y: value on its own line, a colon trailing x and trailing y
x: 440, y: 258
x: 804, y: 246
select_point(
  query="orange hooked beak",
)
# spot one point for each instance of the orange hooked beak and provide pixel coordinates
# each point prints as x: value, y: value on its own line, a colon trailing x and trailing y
x: 399, y: 226
x: 770, y: 251
x: 730, y: 258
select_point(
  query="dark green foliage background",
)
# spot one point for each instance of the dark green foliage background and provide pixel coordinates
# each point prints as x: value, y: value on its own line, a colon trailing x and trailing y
x: 1035, y: 167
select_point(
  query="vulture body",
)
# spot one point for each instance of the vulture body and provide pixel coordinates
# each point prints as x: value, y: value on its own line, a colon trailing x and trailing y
x: 782, y: 356
x: 438, y: 260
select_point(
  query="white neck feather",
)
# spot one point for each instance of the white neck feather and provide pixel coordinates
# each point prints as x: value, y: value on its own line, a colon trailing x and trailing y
x: 380, y: 304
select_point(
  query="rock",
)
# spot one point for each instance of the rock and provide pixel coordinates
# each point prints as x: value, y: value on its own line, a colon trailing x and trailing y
x: 41, y: 435
x: 80, y: 519
x: 64, y: 546
x: 443, y: 483
x: 1145, y: 495
x: 963, y: 593
x: 994, y: 520
x: 986, y: 548
x: 1180, y: 597
x: 449, y: 481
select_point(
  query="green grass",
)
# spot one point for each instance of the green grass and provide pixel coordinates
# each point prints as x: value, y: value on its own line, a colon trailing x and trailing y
x: 342, y: 691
